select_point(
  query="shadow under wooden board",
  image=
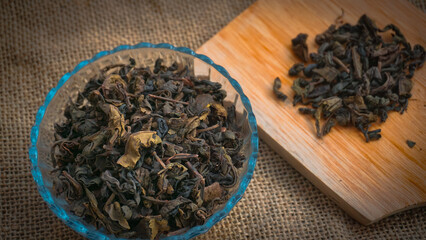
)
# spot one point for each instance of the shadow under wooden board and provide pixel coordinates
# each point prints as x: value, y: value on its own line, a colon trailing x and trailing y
x: 368, y: 180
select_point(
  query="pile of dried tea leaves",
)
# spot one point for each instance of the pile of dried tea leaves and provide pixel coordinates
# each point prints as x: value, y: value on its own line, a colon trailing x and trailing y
x: 147, y: 153
x: 356, y: 77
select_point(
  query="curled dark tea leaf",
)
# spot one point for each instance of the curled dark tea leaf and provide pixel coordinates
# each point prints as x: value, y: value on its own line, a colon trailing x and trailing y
x: 299, y: 46
x: 296, y: 69
x: 278, y: 93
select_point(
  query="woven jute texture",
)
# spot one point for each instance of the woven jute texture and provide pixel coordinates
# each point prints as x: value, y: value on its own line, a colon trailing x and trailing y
x: 42, y: 40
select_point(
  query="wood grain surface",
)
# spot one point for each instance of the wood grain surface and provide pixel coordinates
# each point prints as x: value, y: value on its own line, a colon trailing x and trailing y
x: 368, y: 180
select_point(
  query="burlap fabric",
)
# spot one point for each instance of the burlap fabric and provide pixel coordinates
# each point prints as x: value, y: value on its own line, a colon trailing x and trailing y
x: 40, y: 41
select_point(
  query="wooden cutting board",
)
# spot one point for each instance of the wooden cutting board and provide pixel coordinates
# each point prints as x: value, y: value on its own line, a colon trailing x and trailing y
x: 368, y: 180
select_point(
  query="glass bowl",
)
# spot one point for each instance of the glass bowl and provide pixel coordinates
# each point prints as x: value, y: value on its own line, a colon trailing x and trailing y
x: 145, y: 54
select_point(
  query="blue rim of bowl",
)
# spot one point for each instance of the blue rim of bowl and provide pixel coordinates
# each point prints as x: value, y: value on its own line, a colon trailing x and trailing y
x: 79, y: 226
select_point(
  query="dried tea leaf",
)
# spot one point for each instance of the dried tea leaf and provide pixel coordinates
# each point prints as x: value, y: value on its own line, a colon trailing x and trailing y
x: 170, y: 166
x: 151, y: 226
x: 318, y: 90
x: 137, y: 140
x: 229, y: 135
x: 202, y: 103
x: 162, y: 127
x: 356, y: 61
x: 343, y: 116
x: 205, y: 115
x: 390, y: 82
x: 328, y: 73
x: 66, y: 184
x: 331, y: 104
x: 116, y: 119
x: 167, y: 108
x: 296, y: 69
x: 326, y: 35
x: 127, y: 212
x: 220, y: 109
x: 278, y: 93
x: 137, y: 85
x: 191, y: 125
x: 307, y: 111
x: 93, y: 206
x: 76, y: 114
x: 115, y: 213
x: 327, y: 126
x: 83, y: 174
x: 338, y: 50
x: 299, y: 46
x: 317, y: 116
x: 385, y: 50
x: 142, y: 176
x: 374, y: 135
x: 92, y: 198
x: 214, y: 191
x: 172, y: 205
x: 405, y: 85
x: 410, y: 143
x: 158, y: 226
x: 298, y: 87
x: 96, y: 138
x: 112, y: 81
x: 78, y: 208
x: 307, y: 71
x: 176, y: 123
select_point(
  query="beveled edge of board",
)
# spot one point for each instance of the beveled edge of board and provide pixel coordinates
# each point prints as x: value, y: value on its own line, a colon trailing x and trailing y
x: 349, y: 209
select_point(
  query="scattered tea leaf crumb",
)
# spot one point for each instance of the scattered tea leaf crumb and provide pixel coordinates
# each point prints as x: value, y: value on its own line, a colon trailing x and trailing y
x: 411, y: 143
